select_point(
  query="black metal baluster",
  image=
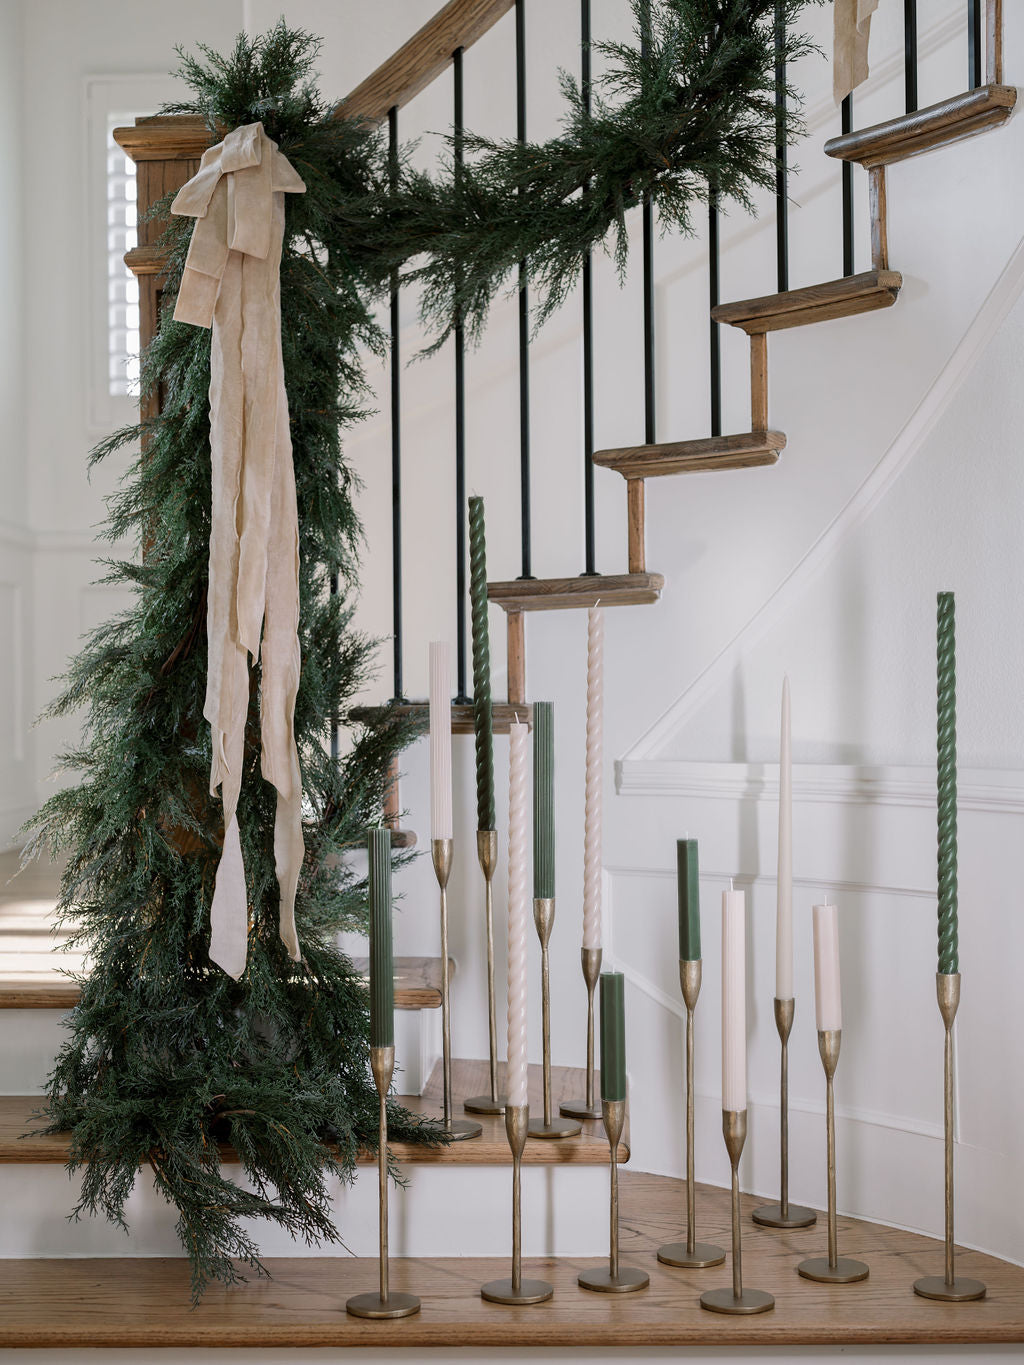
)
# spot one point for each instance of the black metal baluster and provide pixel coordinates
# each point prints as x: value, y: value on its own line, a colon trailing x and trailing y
x: 588, y: 332
x: 910, y: 52
x: 715, y: 348
x: 974, y: 43
x: 648, y: 228
x: 781, y: 169
x: 461, y: 510
x: 396, y: 442
x: 847, y: 116
x: 524, y: 314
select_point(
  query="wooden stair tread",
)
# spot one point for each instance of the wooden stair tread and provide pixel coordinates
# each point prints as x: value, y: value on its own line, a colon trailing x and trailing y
x: 841, y: 298
x: 417, y: 984
x: 145, y: 1302
x: 468, y: 1078
x: 745, y: 450
x: 557, y: 594
x: 950, y: 120
x: 502, y: 712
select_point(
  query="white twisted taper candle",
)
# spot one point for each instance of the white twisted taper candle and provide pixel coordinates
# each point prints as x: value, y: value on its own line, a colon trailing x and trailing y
x: 518, y: 910
x: 592, y: 810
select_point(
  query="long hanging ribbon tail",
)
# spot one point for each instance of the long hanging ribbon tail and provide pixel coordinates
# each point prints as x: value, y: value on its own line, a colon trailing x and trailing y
x: 851, y: 32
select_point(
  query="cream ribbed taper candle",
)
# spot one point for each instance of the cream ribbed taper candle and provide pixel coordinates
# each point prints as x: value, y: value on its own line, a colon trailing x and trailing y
x: 518, y: 910
x: 592, y: 811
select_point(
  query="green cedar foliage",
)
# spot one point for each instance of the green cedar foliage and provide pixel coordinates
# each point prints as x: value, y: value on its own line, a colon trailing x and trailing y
x: 167, y: 1055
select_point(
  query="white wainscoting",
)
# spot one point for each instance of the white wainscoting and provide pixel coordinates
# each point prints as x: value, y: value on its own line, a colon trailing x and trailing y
x: 16, y: 787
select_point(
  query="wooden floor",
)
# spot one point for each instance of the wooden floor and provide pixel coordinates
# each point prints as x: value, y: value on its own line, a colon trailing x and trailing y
x: 110, y: 1303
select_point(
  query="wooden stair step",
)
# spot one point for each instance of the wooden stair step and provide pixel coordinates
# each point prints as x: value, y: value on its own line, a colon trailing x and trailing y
x: 503, y: 714
x: 746, y: 450
x: 951, y: 120
x: 145, y: 1302
x: 468, y: 1078
x: 816, y: 303
x: 559, y: 594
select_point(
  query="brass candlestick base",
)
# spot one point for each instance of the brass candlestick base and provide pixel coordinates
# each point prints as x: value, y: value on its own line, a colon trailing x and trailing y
x: 383, y: 1304
x: 516, y: 1290
x: 587, y: 1108
x: 615, y: 1279
x: 548, y: 1127
x: 487, y: 856
x: 737, y: 1299
x: 949, y: 1288
x: 784, y: 1214
x: 833, y: 1269
x: 691, y: 1254
x: 457, y: 1131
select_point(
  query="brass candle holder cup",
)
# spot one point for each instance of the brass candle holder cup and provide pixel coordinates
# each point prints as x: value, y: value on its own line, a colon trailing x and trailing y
x: 949, y: 1287
x: 516, y: 1290
x: 833, y: 1269
x: 617, y: 1279
x: 385, y: 1303
x: 587, y: 1107
x: 736, y: 1299
x: 691, y: 1254
x: 549, y: 1126
x: 487, y: 856
x: 784, y: 1214
x: 461, y: 1129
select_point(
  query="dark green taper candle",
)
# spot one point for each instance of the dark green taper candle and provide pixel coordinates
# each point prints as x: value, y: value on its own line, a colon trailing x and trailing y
x: 543, y: 800
x: 949, y: 960
x: 689, y: 900
x: 382, y: 962
x: 613, y: 1036
x: 483, y: 715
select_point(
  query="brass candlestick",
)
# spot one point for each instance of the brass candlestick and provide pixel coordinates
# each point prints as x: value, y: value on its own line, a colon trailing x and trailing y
x: 616, y: 1279
x: 487, y: 855
x: 691, y: 1254
x: 460, y: 1130
x: 834, y: 1269
x: 517, y: 1290
x: 384, y: 1304
x: 737, y: 1299
x: 949, y: 1287
x: 784, y: 1214
x: 548, y: 1127
x: 587, y: 1108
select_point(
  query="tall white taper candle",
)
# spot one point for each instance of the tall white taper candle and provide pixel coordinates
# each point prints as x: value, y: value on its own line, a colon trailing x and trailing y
x: 592, y: 809
x: 784, y: 905
x: 828, y: 1001
x: 734, y: 1001
x: 518, y: 909
x: 440, y: 741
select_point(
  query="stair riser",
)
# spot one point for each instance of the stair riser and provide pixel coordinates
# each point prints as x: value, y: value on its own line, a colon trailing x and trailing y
x: 565, y: 1213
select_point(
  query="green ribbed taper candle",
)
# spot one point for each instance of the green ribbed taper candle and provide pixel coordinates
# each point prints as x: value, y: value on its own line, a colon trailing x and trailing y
x: 543, y: 800
x: 689, y: 900
x: 949, y: 959
x: 613, y: 1036
x: 382, y: 962
x: 483, y: 717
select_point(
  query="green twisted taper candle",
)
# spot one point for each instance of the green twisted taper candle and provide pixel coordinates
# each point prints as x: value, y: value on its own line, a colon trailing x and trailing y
x: 483, y: 716
x: 382, y: 965
x: 946, y: 749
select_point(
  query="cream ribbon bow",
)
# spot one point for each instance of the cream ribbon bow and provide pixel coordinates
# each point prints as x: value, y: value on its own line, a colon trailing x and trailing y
x: 851, y: 30
x: 232, y: 281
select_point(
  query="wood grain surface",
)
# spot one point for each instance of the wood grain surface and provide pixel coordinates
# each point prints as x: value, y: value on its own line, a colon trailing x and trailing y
x: 742, y: 451
x: 951, y: 120
x: 841, y: 298
x: 559, y: 594
x: 462, y: 714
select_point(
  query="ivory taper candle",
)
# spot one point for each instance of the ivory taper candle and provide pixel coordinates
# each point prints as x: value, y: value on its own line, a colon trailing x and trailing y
x: 949, y: 956
x: 382, y: 965
x: 734, y: 1001
x: 828, y: 1003
x: 613, y: 1036
x: 483, y: 715
x: 784, y: 903
x: 518, y: 911
x: 440, y: 741
x: 543, y: 800
x: 594, y: 793
x: 689, y: 900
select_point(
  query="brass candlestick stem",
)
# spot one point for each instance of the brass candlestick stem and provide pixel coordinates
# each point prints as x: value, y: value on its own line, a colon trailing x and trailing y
x: 487, y: 856
x: 587, y: 1108
x: 616, y: 1279
x: 384, y: 1304
x: 517, y: 1290
x: 548, y: 1127
x: 691, y: 1254
x: 736, y: 1299
x: 834, y: 1269
x: 949, y: 1287
x: 460, y: 1130
x: 784, y: 1214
